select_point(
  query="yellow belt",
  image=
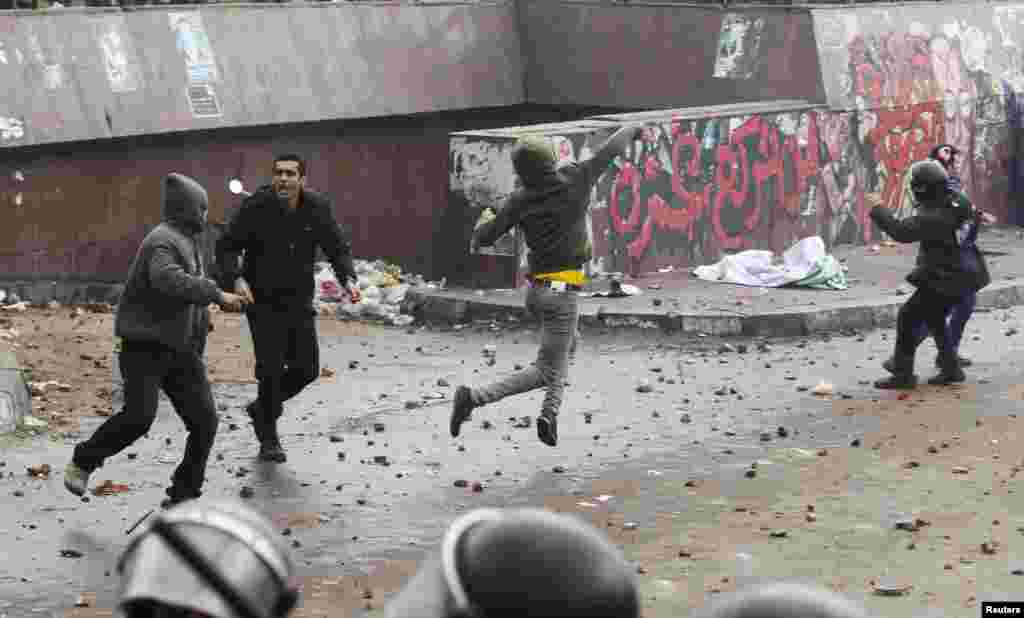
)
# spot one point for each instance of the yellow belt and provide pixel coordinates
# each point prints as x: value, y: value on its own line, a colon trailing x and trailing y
x: 571, y: 277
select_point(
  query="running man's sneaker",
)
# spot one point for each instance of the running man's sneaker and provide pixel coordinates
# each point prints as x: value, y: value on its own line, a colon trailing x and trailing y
x: 462, y: 409
x: 76, y: 480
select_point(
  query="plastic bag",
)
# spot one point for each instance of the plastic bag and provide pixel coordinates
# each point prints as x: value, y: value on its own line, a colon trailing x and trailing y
x: 327, y: 287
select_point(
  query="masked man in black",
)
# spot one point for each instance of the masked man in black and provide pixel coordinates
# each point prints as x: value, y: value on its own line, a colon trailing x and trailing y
x: 277, y: 230
x: 942, y: 276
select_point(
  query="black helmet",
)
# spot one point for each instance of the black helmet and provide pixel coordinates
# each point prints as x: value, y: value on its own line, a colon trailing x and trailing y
x: 784, y: 600
x: 233, y: 544
x: 928, y: 180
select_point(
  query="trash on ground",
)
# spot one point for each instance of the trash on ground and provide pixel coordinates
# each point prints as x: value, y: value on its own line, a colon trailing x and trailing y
x: 805, y: 264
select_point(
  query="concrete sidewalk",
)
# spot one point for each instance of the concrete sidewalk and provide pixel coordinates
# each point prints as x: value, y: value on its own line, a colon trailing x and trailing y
x: 679, y: 303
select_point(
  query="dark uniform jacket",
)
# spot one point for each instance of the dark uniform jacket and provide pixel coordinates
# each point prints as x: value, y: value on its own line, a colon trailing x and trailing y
x: 280, y: 246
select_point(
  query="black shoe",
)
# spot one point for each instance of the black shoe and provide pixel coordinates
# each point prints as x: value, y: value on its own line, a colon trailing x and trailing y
x: 547, y: 429
x: 944, y: 378
x: 890, y: 366
x: 271, y: 450
x: 462, y: 409
x: 964, y: 362
x: 897, y: 382
x: 172, y: 500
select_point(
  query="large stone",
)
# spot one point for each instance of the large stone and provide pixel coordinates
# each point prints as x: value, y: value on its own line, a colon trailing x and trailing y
x: 15, y: 402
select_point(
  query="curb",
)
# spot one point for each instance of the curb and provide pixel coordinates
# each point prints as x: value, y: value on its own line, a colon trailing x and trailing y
x: 15, y: 401
x: 434, y: 306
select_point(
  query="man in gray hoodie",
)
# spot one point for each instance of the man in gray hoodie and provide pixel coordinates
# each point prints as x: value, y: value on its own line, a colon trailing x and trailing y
x: 162, y: 321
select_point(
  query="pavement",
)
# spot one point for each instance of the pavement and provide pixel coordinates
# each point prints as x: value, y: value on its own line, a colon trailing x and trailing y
x: 680, y: 305
x: 712, y: 463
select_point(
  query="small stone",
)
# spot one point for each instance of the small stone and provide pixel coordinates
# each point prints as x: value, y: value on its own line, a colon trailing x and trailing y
x: 341, y: 455
x: 461, y: 483
x: 990, y: 547
x: 782, y: 432
x: 412, y: 405
x: 558, y: 469
x: 811, y: 517
x: 336, y: 439
x: 685, y: 419
x: 378, y: 427
x: 766, y: 437
x: 750, y: 474
x: 779, y: 534
x: 960, y: 470
x: 855, y: 443
x: 932, y: 449
x: 442, y: 382
x: 487, y: 425
x: 70, y: 553
x: 644, y: 387
x: 630, y: 525
x: 381, y: 460
x: 477, y: 487
x: 361, y: 501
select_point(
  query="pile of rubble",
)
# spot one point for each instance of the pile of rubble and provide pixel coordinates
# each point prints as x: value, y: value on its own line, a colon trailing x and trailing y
x: 9, y: 301
x: 383, y: 287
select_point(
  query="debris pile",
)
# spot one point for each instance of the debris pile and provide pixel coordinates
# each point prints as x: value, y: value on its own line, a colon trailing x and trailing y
x: 383, y: 287
x: 9, y: 301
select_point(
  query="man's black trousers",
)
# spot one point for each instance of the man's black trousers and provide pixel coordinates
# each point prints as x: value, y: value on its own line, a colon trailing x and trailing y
x: 147, y: 368
x: 930, y: 308
x: 287, y: 357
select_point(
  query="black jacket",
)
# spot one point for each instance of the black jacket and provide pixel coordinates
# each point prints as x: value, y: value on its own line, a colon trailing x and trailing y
x: 278, y: 246
x: 167, y: 293
x: 940, y: 267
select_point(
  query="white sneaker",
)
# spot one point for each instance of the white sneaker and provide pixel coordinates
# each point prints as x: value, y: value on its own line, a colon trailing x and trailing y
x: 76, y: 480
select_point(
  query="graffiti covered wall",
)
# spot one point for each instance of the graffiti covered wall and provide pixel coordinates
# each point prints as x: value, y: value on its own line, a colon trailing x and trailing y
x: 899, y: 82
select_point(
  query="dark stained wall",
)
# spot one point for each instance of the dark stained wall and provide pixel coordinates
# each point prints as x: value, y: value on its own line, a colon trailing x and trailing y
x: 662, y: 55
x: 82, y: 209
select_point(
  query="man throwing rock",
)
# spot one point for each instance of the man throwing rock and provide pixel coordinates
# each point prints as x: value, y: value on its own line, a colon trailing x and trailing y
x: 551, y: 209
x: 277, y: 231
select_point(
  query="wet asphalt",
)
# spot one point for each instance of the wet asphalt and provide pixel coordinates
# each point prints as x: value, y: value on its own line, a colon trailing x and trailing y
x: 374, y: 474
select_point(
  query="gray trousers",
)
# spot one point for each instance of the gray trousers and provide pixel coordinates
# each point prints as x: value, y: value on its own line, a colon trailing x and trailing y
x: 559, y: 314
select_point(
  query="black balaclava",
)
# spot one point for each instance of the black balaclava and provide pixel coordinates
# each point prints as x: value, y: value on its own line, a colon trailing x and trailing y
x: 185, y: 203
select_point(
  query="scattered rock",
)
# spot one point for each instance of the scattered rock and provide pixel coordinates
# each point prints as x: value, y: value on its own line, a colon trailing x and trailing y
x: 685, y: 419
x: 779, y: 534
x: 246, y: 492
x: 461, y: 483
x: 558, y: 469
x: 41, y: 471
x: 644, y: 387
x: 443, y: 383
x: 70, y: 553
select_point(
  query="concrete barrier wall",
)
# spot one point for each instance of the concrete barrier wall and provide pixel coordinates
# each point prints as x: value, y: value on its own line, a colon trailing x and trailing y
x: 646, y: 55
x: 78, y: 211
x: 84, y: 74
x: 900, y: 81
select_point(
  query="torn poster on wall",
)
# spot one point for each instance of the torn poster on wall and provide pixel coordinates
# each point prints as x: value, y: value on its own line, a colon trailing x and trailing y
x: 739, y: 44
x: 47, y: 59
x: 118, y: 51
x: 194, y: 46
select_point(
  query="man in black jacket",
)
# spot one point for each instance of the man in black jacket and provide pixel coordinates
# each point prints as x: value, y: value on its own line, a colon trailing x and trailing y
x: 551, y: 209
x: 278, y: 230
x: 942, y: 276
x: 162, y: 320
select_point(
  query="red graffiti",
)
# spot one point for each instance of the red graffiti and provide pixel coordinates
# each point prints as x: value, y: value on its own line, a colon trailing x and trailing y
x: 904, y: 135
x: 754, y: 154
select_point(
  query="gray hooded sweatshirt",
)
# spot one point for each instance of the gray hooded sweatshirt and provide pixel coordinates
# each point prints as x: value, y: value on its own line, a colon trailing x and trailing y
x: 167, y: 294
